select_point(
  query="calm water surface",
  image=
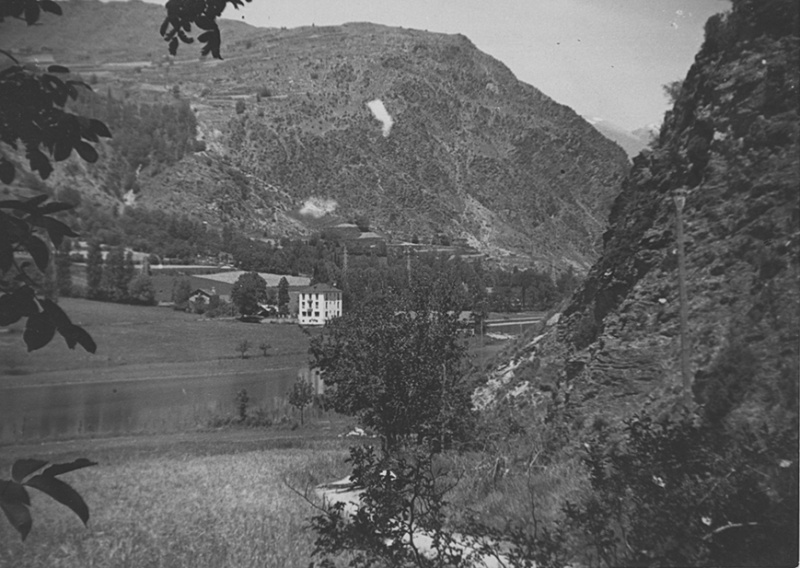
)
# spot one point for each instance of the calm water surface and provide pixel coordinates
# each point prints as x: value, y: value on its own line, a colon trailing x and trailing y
x: 130, y: 406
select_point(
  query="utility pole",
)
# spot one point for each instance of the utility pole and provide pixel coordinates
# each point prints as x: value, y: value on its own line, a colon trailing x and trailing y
x: 679, y: 198
x: 408, y: 265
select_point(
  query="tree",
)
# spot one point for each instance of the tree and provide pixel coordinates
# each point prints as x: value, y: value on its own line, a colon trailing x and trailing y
x: 301, y: 395
x: 181, y: 291
x: 94, y: 271
x: 283, y: 297
x: 242, y: 347
x: 242, y: 400
x: 248, y: 291
x: 264, y: 346
x: 64, y: 269
x: 397, y: 366
x: 141, y: 290
x: 128, y: 268
x: 115, y: 283
x: 240, y: 106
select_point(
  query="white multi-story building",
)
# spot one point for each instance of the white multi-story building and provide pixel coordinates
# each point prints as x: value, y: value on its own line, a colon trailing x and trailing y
x: 318, y: 303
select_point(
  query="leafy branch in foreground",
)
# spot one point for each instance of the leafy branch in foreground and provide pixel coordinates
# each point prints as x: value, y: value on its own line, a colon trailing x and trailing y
x: 15, y: 501
x: 182, y: 14
x: 19, y: 221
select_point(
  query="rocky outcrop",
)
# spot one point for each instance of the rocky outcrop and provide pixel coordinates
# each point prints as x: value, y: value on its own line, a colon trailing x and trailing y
x: 731, y: 144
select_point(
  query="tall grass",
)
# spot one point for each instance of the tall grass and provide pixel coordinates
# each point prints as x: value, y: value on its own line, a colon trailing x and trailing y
x: 172, y: 511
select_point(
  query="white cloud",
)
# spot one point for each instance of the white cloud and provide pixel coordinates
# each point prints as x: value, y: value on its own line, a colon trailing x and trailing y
x: 379, y: 111
x: 316, y: 207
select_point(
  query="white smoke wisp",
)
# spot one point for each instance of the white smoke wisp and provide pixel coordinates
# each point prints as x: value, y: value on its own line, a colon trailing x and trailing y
x: 379, y: 111
x: 316, y: 207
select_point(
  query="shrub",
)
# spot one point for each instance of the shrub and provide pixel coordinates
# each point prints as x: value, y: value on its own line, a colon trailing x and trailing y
x: 679, y: 493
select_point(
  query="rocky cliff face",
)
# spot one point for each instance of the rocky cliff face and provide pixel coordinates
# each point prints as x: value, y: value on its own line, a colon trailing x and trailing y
x: 731, y: 144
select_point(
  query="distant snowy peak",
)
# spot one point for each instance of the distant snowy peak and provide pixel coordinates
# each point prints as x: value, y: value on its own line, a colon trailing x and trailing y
x: 632, y: 142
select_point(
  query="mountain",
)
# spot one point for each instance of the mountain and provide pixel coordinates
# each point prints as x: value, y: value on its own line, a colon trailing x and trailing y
x: 730, y: 144
x: 473, y: 153
x: 632, y: 142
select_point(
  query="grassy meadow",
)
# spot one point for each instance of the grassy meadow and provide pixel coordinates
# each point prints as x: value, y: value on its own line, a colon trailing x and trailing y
x: 135, y: 342
x: 181, y: 504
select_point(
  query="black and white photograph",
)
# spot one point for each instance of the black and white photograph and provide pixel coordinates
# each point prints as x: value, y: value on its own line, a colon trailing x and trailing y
x: 399, y: 283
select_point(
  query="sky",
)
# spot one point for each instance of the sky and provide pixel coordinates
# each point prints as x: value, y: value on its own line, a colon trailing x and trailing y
x: 607, y: 59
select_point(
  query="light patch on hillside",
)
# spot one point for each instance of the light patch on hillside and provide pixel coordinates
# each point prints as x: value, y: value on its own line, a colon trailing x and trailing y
x: 379, y: 112
x: 317, y: 207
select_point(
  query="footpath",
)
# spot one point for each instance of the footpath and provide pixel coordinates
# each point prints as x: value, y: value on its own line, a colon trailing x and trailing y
x: 344, y: 491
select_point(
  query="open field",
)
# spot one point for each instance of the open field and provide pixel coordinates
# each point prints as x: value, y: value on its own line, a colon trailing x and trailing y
x: 135, y: 341
x: 203, y: 500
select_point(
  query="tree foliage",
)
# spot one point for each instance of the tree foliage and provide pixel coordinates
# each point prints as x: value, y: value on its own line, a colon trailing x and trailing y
x: 181, y: 14
x: 397, y: 366
x: 283, y: 297
x: 301, y: 395
x: 248, y: 291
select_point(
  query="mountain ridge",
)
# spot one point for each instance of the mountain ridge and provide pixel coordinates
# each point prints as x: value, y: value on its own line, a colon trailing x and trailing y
x: 474, y: 153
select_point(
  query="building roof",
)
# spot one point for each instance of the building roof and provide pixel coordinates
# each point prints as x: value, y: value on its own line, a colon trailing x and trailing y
x: 272, y: 279
x: 370, y: 235
x: 318, y: 289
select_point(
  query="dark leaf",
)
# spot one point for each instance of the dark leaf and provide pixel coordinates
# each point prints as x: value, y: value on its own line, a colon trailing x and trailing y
x: 18, y: 515
x: 81, y: 336
x: 7, y: 171
x: 62, y: 493
x: 60, y: 468
x: 50, y: 6
x: 6, y: 255
x: 57, y: 69
x: 39, y: 252
x: 184, y: 37
x: 34, y: 202
x: 62, y: 150
x: 55, y: 207
x: 24, y: 467
x: 14, y: 492
x: 16, y: 305
x: 39, y: 330
x: 164, y: 26
x: 56, y: 315
x: 205, y: 23
x: 57, y: 230
x: 39, y: 162
x: 173, y: 46
x: 86, y: 151
x: 99, y: 128
x: 13, y: 204
x: 31, y: 12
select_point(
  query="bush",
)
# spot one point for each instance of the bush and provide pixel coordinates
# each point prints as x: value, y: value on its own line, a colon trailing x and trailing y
x: 141, y: 290
x: 240, y: 106
x: 678, y: 493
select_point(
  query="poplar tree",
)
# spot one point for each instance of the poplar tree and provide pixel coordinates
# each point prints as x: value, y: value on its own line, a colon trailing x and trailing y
x: 94, y: 272
x: 64, y: 269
